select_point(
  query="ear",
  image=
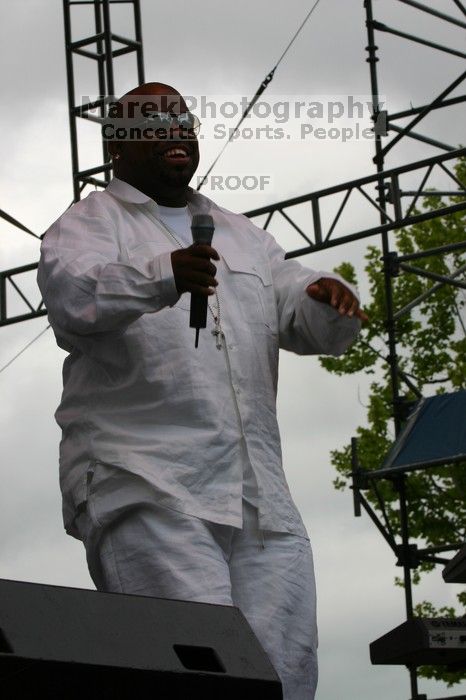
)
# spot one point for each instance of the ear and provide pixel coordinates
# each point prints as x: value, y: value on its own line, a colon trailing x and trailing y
x: 114, y: 148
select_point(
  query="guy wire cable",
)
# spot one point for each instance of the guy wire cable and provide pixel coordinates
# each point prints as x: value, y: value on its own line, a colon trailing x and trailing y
x: 18, y: 224
x: 25, y: 348
x: 259, y: 92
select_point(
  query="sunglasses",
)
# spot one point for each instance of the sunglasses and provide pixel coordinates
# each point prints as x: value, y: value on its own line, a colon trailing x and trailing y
x: 166, y: 121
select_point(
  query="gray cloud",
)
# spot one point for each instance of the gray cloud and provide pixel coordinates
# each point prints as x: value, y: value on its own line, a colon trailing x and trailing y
x: 230, y: 51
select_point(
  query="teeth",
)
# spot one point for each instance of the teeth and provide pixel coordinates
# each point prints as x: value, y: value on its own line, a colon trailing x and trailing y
x: 175, y: 152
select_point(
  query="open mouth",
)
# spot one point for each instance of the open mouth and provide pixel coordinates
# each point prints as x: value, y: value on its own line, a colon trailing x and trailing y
x: 177, y: 154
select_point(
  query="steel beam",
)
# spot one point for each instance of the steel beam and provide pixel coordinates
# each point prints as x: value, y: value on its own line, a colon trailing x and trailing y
x: 102, y: 39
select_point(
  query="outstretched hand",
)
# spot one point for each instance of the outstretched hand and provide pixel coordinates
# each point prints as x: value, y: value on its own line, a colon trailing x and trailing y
x: 332, y: 292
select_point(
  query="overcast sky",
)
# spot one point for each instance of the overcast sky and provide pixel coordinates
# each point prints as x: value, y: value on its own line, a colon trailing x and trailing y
x: 222, y: 49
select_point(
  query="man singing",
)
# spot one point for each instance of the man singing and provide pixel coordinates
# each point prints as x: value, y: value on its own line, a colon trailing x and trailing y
x: 170, y: 459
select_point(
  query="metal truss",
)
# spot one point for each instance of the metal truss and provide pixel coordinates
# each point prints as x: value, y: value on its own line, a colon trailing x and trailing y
x: 440, y: 100
x: 400, y: 211
x: 408, y: 555
x: 15, y: 292
x: 101, y: 48
x: 20, y: 298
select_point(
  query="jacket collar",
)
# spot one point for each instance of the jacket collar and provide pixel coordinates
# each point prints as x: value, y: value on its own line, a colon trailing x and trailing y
x: 125, y: 192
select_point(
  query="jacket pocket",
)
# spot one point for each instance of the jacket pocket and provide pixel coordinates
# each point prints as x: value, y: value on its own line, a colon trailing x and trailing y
x: 253, y: 286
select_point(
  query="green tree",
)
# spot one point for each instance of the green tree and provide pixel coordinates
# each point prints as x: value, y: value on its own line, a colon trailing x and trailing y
x: 431, y: 347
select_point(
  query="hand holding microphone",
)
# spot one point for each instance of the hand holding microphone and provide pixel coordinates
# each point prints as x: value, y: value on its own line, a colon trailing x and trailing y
x: 194, y: 272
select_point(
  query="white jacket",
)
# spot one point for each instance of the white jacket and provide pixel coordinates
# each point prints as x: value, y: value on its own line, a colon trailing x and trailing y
x: 137, y: 394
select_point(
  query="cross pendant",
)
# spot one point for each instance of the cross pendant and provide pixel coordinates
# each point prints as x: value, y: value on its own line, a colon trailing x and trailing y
x: 218, y: 333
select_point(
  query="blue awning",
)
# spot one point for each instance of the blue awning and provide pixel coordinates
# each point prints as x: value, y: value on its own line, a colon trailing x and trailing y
x: 435, y: 432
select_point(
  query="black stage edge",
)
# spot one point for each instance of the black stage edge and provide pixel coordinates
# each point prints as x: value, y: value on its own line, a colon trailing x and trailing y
x: 72, y: 643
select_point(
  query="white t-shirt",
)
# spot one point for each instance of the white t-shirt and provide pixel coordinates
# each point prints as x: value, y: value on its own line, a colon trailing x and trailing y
x: 178, y: 220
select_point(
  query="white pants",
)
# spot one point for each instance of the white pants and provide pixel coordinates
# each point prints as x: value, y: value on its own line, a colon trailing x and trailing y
x: 152, y: 550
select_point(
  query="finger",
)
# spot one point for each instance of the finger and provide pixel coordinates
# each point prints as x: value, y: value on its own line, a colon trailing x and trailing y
x: 333, y: 291
x: 348, y: 304
x: 202, y: 250
x: 201, y: 279
x: 353, y: 307
x: 199, y: 290
x: 361, y: 315
x: 200, y: 265
x: 208, y: 267
x: 336, y: 296
x: 315, y: 292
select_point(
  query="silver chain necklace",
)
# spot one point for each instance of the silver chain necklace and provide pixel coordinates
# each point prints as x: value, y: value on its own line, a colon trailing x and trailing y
x: 217, y: 332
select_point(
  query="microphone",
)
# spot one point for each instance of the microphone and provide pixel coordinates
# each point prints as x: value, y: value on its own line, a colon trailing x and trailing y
x: 202, y: 228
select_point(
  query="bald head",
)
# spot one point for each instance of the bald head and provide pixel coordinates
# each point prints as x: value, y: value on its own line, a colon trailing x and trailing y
x: 144, y: 100
x: 151, y: 137
x: 151, y: 89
